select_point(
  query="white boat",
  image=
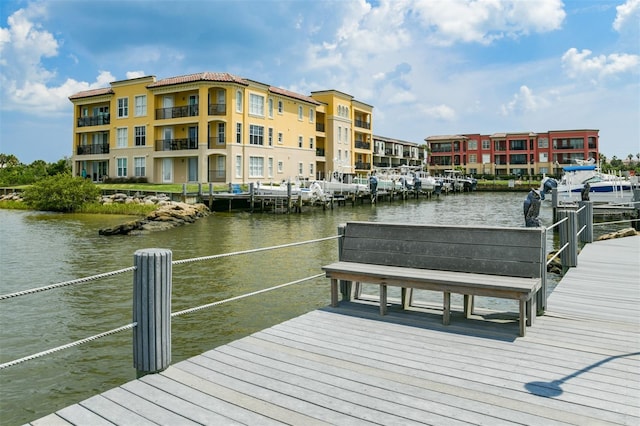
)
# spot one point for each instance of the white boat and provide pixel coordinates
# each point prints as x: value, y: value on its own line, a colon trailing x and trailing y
x: 342, y: 184
x: 603, y: 187
x: 453, y: 180
x: 311, y: 194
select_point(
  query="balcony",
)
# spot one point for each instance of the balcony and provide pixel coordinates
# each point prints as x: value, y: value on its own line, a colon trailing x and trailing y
x: 216, y: 175
x: 319, y: 152
x: 362, y: 145
x: 363, y: 166
x: 92, y: 149
x: 177, y: 112
x: 217, y: 109
x: 319, y: 127
x: 216, y: 143
x: 176, y: 144
x: 94, y: 120
x: 362, y: 124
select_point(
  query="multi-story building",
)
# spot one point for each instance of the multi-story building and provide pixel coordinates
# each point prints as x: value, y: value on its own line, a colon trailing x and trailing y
x: 388, y: 152
x: 216, y: 127
x: 520, y: 153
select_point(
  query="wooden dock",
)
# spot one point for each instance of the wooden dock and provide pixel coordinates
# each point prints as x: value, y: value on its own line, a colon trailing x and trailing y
x: 579, y: 364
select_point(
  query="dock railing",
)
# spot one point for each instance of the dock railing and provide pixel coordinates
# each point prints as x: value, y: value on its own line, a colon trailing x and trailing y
x: 152, y: 280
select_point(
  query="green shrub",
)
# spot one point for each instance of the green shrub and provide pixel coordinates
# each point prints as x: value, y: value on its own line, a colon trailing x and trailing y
x: 60, y: 193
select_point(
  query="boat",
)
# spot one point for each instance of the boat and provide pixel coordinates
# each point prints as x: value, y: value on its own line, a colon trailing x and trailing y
x: 309, y: 195
x: 453, y: 180
x: 602, y: 187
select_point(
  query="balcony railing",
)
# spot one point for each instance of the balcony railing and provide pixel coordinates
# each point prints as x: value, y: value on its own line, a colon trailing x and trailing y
x: 319, y: 127
x: 363, y: 166
x: 94, y: 148
x: 216, y: 143
x: 177, y: 112
x: 319, y: 152
x: 176, y: 144
x: 94, y: 120
x: 362, y: 145
x: 217, y: 175
x: 362, y: 124
x: 217, y: 109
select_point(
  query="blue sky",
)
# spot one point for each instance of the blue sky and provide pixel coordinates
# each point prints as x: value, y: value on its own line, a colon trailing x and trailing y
x: 428, y: 67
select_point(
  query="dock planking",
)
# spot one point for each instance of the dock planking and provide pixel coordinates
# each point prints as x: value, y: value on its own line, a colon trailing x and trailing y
x: 579, y: 364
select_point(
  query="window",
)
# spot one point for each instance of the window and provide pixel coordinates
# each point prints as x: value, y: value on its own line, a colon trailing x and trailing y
x: 280, y: 141
x: 472, y: 158
x: 543, y: 157
x: 221, y: 134
x: 311, y: 143
x: 299, y: 141
x: 300, y: 169
x: 140, y: 105
x: 238, y: 132
x: 140, y: 135
x: 256, y: 167
x: 339, y: 155
x: 486, y: 144
x: 270, y: 167
x: 121, y: 167
x: 310, y: 169
x: 238, y: 166
x: 300, y: 112
x: 122, y: 141
x: 280, y: 107
x: 543, y: 143
x: 472, y: 145
x: 256, y: 105
x: 270, y: 141
x: 139, y: 164
x: 339, y: 134
x: 238, y: 101
x: 280, y: 166
x: 123, y: 107
x: 256, y: 135
x: 270, y: 108
x: 311, y: 115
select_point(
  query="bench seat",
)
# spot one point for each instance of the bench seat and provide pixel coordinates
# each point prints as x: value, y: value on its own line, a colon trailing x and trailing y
x: 468, y: 284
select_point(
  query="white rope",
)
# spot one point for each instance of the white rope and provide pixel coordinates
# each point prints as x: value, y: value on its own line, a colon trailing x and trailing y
x: 220, y: 302
x: 66, y: 283
x: 218, y: 256
x: 67, y: 346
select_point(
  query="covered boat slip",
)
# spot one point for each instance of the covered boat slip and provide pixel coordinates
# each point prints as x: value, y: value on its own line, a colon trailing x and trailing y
x: 578, y: 364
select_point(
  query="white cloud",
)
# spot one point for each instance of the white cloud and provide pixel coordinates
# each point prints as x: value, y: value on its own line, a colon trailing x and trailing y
x: 25, y: 81
x: 439, y: 112
x: 582, y: 64
x: 483, y: 21
x: 627, y: 14
x: 135, y: 74
x: 524, y: 102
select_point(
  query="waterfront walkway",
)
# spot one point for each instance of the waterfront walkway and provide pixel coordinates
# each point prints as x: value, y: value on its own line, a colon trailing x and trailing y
x: 579, y: 364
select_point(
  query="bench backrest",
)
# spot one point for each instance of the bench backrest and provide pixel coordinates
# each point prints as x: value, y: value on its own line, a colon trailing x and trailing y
x: 517, y: 252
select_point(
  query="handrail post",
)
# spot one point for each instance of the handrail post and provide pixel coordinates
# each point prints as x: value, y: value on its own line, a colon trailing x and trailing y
x: 541, y: 301
x: 585, y: 219
x: 568, y: 235
x: 345, y: 286
x: 152, y: 310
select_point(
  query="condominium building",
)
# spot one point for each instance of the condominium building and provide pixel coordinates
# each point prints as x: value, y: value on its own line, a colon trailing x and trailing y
x: 394, y: 153
x: 519, y: 153
x: 217, y: 127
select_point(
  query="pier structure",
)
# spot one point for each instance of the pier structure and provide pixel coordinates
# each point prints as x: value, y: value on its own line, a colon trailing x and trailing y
x: 579, y: 364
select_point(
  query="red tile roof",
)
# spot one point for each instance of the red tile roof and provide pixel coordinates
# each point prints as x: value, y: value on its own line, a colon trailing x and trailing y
x: 202, y: 76
x: 294, y: 95
x: 93, y: 92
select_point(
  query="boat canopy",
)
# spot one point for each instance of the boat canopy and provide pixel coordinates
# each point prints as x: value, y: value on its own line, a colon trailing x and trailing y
x: 575, y: 168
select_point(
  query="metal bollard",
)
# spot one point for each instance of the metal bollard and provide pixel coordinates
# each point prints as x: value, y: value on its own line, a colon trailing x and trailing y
x: 152, y: 310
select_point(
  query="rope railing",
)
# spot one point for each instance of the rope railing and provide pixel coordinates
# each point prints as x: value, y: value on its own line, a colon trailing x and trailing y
x: 174, y: 314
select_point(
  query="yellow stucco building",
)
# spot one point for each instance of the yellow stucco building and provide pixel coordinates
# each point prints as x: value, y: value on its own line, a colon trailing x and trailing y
x: 217, y: 127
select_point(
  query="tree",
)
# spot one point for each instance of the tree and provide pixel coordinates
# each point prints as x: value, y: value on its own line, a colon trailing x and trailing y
x: 61, y: 193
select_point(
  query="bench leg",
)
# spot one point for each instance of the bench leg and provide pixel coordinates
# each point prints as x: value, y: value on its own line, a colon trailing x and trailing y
x: 408, y: 298
x: 523, y: 326
x: 356, y: 290
x: 334, y: 292
x: 383, y: 299
x: 447, y: 308
x: 531, y: 310
x: 345, y: 289
x: 403, y: 297
x: 468, y: 305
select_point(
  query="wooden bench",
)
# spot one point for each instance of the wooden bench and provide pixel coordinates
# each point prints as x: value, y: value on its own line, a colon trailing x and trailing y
x: 499, y: 262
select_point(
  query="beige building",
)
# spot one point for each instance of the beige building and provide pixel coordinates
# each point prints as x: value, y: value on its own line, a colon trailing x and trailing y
x: 216, y: 127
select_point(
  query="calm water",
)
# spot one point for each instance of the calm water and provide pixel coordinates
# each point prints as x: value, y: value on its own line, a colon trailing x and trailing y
x: 38, y: 249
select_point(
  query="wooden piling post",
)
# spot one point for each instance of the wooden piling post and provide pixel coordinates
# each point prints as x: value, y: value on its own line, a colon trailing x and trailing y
x: 152, y: 310
x: 585, y: 218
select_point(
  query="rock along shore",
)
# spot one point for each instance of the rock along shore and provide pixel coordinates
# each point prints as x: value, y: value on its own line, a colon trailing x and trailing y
x: 168, y: 215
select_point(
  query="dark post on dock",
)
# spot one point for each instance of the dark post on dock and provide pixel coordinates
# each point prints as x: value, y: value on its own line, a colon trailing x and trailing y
x: 152, y: 310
